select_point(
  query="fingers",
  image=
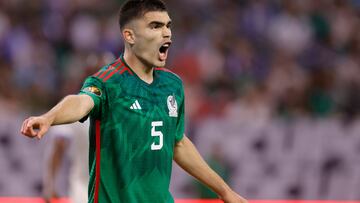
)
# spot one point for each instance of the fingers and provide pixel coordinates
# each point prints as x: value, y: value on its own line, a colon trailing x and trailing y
x: 22, y: 130
x: 41, y: 132
x: 35, y: 127
x: 29, y: 125
x: 26, y: 129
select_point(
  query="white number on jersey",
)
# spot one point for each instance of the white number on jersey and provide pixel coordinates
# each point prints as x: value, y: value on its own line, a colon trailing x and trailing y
x: 155, y: 133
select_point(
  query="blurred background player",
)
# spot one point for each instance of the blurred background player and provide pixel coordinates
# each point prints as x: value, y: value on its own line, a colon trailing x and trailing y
x: 67, y: 163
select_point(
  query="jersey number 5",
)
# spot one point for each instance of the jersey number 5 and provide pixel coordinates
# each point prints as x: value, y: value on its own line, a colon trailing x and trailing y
x: 154, y: 133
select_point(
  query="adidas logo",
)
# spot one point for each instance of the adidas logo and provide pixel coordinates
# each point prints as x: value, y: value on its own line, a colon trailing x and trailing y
x: 135, y: 105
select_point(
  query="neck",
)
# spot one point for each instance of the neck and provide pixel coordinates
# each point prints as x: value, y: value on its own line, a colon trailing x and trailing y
x: 143, y: 71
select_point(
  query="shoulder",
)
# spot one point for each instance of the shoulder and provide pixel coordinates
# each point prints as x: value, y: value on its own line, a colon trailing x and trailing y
x: 112, y: 71
x: 168, y: 74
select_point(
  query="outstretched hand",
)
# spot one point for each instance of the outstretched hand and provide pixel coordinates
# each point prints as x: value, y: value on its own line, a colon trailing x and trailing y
x: 35, y: 127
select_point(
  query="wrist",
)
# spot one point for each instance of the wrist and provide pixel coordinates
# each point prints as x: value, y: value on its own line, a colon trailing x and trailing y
x: 49, y: 118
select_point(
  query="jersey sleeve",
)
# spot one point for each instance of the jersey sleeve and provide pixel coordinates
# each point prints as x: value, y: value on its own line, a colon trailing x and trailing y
x: 180, y: 125
x: 96, y: 90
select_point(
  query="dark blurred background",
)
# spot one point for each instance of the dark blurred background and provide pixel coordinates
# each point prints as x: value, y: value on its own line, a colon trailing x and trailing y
x: 272, y: 88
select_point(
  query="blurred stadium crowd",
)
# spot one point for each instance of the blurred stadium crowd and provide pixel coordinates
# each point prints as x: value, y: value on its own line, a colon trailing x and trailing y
x: 272, y: 87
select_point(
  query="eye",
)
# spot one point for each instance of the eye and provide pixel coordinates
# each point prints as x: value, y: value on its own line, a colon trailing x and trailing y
x: 155, y: 25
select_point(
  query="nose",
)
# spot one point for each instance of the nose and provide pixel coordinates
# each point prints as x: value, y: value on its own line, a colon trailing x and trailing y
x: 167, y: 32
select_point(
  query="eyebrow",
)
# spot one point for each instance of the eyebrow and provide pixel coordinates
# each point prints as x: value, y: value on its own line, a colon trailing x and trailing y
x: 159, y: 23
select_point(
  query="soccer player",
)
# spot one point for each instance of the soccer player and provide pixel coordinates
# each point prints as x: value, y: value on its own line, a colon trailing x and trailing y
x: 136, y: 110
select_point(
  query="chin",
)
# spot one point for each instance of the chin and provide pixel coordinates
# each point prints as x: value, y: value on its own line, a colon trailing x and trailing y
x: 160, y: 63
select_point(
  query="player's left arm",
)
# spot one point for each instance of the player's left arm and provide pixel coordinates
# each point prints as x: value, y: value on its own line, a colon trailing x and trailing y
x: 188, y: 158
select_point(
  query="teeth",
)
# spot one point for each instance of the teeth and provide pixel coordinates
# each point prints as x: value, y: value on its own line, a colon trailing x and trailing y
x: 166, y: 45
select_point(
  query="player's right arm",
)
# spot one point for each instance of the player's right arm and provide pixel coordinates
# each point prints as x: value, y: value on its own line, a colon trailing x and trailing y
x: 71, y: 109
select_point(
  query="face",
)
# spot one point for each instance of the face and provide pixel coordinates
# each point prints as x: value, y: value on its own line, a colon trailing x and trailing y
x: 152, y: 38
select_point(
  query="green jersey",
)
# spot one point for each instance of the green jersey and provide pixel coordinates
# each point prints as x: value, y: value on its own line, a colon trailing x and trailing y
x: 134, y: 127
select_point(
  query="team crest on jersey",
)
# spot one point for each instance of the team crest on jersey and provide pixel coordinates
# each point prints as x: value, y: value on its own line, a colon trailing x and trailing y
x: 172, y: 106
x: 93, y: 90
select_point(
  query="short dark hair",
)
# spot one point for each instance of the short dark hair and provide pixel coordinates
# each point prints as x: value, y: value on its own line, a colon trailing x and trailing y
x: 133, y: 9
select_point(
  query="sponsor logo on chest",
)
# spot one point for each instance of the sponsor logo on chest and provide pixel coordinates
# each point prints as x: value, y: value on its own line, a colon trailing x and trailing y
x: 136, y: 105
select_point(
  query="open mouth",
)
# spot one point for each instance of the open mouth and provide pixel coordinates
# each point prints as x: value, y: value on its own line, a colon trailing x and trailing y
x: 163, y: 51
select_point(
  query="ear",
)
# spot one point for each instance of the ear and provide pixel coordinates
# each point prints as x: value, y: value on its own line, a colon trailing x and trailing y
x: 128, y: 35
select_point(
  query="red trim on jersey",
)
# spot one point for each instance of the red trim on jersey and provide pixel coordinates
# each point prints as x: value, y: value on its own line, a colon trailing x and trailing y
x: 126, y: 69
x: 112, y: 73
x: 111, y: 68
x: 97, y: 172
x: 164, y: 69
x: 106, y: 71
x: 97, y: 73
